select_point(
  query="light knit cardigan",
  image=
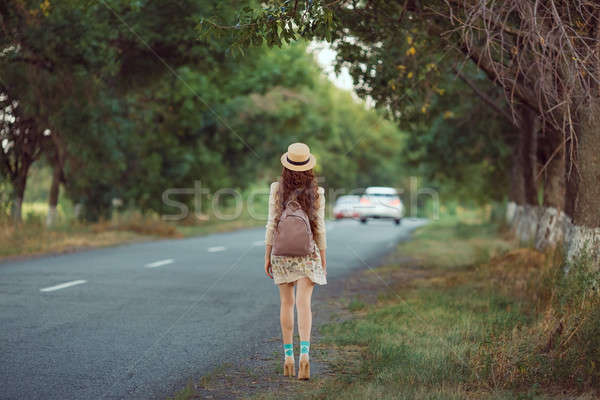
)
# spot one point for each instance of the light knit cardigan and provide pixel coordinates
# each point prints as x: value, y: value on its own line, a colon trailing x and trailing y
x: 322, y: 243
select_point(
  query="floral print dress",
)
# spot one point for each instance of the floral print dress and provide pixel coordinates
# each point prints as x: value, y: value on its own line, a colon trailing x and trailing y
x: 288, y: 269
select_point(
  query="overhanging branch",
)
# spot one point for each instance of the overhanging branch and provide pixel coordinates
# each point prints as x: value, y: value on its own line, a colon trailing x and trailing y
x: 501, y: 111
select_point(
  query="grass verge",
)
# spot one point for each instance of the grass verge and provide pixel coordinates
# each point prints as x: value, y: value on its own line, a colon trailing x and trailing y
x: 32, y: 237
x: 487, y: 320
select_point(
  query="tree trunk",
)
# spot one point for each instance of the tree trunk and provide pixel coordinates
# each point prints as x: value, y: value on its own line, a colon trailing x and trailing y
x: 77, y: 210
x: 19, y: 185
x: 553, y: 157
x: 17, y: 207
x: 524, y: 185
x: 583, y: 179
x: 583, y: 186
x: 53, y: 196
x: 517, y: 186
x: 529, y: 127
x: 553, y: 222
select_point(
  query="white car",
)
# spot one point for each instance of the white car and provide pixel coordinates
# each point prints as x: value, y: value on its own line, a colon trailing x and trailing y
x: 380, y: 202
x: 345, y: 207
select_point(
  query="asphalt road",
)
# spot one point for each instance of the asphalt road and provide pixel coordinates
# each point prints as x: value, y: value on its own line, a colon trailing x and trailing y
x: 137, y: 321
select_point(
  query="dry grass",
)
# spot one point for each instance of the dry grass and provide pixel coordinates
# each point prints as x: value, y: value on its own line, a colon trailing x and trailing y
x: 560, y: 350
x: 28, y: 240
x: 151, y: 226
x: 34, y: 238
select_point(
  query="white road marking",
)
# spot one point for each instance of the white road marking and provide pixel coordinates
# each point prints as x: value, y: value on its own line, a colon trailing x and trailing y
x: 62, y: 286
x: 216, y: 248
x: 259, y: 243
x: 159, y: 263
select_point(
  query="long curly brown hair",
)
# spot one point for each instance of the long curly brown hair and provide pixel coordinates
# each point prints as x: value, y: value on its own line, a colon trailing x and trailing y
x: 304, y: 185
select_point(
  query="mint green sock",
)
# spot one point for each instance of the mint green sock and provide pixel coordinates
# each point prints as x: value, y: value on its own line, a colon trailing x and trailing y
x: 304, y: 348
x: 288, y: 349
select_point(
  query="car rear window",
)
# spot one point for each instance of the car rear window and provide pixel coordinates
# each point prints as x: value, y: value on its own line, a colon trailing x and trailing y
x: 388, y: 195
x: 346, y: 200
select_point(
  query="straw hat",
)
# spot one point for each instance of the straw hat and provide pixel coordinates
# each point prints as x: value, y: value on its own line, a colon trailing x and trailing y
x: 298, y: 158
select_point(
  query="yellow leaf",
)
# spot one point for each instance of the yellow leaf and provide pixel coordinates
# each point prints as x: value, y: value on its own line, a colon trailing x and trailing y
x: 409, y: 39
x: 401, y: 67
x: 411, y: 51
x: 410, y: 75
x: 448, y: 115
x: 45, y: 7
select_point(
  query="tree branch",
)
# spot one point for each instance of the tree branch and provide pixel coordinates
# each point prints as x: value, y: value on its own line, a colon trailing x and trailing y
x: 501, y: 111
x: 484, y: 64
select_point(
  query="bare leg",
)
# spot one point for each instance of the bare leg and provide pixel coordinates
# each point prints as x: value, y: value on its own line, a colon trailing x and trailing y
x: 286, y: 312
x: 303, y: 300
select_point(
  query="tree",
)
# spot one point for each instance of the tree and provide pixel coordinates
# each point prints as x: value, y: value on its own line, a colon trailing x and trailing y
x: 70, y: 81
x: 21, y: 143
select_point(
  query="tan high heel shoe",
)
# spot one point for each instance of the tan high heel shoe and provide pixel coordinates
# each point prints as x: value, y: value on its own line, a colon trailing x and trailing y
x: 289, y: 367
x: 304, y: 369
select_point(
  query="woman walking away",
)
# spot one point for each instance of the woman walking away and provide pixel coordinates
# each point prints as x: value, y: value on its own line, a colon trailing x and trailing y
x: 295, y: 249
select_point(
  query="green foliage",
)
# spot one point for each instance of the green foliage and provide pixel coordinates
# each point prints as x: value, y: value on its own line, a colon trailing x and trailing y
x: 137, y: 104
x: 81, y: 82
x: 229, y: 132
x: 461, y: 148
x: 397, y: 53
x: 277, y: 23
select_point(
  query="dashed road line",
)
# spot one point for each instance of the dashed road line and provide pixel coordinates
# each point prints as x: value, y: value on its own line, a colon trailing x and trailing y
x: 160, y: 263
x: 216, y: 249
x: 62, y: 286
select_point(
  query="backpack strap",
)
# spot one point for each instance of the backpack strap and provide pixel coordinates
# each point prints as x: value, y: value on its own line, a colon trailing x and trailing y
x: 290, y: 202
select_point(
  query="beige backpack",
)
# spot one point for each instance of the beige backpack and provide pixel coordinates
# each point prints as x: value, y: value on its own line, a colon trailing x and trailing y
x: 293, y: 236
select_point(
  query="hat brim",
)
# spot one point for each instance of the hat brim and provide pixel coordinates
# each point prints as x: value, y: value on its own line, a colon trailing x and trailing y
x: 305, y: 167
